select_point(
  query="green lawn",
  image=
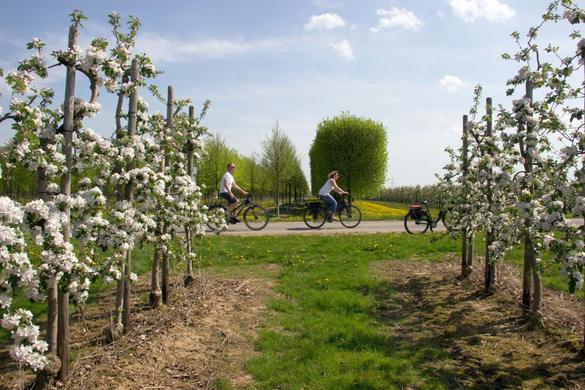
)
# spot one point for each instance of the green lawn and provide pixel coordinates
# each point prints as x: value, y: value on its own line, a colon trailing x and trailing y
x: 321, y: 332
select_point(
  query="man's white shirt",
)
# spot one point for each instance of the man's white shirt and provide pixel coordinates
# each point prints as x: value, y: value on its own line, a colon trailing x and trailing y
x: 227, y: 181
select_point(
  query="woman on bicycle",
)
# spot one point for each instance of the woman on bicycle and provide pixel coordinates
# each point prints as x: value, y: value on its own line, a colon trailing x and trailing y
x: 324, y: 194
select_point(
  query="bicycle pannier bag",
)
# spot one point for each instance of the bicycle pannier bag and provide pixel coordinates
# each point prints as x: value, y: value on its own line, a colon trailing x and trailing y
x: 416, y: 211
x: 313, y: 206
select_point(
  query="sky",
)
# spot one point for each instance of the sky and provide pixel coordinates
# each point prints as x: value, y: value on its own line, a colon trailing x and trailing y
x: 411, y: 65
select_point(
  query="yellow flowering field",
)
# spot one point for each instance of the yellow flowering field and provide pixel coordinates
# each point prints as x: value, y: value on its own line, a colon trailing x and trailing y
x: 373, y: 210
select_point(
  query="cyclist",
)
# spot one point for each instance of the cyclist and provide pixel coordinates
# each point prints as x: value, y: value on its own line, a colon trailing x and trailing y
x: 225, y: 190
x: 324, y: 194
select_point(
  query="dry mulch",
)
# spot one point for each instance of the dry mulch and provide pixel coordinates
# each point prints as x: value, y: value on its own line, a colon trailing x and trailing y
x: 487, y: 343
x: 200, y: 340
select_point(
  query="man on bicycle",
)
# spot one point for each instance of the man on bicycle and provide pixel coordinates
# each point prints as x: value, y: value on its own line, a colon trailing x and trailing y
x: 225, y: 190
x: 324, y: 194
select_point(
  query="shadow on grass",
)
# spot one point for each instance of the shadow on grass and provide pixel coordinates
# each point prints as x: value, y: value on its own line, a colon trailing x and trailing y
x: 426, y: 315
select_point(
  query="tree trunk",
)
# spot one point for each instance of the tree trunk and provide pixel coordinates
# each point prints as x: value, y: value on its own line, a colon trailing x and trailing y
x: 464, y: 273
x: 276, y: 191
x: 465, y: 269
x: 68, y: 128
x: 537, y: 295
x: 470, y: 252
x: 490, y: 265
x: 165, y: 278
x: 129, y: 195
x: 189, y: 271
x: 165, y: 255
x: 47, y: 139
x: 530, y: 309
x: 155, y: 293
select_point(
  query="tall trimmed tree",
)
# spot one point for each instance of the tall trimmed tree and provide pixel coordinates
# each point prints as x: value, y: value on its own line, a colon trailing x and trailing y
x: 356, y: 147
x: 278, y: 156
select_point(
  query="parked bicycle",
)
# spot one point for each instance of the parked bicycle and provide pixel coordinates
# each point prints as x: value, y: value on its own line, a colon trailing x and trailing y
x: 255, y: 216
x: 419, y: 218
x: 316, y: 213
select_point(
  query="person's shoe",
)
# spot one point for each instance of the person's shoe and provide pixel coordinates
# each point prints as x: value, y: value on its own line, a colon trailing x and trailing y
x: 234, y: 220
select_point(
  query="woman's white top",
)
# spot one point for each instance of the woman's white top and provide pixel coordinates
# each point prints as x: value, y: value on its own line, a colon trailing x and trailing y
x: 327, y: 187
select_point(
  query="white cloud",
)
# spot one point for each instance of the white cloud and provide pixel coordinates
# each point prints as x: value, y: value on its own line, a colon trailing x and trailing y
x: 326, y: 21
x: 441, y: 14
x: 491, y: 10
x: 344, y: 50
x: 397, y: 17
x: 161, y: 48
x: 451, y: 83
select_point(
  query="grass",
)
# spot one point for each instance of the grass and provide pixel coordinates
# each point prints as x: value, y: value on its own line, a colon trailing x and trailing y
x: 321, y: 332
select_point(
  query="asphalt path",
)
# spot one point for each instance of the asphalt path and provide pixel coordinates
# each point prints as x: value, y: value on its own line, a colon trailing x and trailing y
x: 282, y: 228
x: 365, y: 227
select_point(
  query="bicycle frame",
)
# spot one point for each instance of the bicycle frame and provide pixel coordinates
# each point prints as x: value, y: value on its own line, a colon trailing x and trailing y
x: 344, y: 203
x: 434, y: 222
x: 241, y: 206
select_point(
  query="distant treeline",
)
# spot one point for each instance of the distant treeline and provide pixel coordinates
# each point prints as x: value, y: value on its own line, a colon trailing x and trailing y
x: 412, y: 194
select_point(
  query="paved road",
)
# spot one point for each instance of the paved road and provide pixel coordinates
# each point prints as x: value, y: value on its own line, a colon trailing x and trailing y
x: 279, y: 228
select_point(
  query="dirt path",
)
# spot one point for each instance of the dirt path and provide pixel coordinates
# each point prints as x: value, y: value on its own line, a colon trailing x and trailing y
x: 487, y: 344
x: 202, y: 338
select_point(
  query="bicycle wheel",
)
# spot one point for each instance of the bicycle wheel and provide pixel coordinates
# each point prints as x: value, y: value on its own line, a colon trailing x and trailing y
x: 314, y: 218
x: 448, y: 221
x: 417, y: 225
x: 256, y: 217
x: 350, y: 216
x: 216, y: 218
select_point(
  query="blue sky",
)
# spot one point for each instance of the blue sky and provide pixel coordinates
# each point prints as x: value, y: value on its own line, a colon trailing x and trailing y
x: 411, y: 65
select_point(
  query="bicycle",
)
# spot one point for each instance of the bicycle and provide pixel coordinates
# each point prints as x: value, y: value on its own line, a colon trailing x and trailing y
x: 255, y: 216
x: 317, y: 213
x: 419, y: 218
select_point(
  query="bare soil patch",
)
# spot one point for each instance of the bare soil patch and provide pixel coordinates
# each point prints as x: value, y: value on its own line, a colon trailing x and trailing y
x: 487, y: 343
x: 200, y: 340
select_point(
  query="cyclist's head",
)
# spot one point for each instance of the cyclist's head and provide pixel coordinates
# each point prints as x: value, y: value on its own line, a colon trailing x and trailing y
x: 332, y: 174
x: 231, y: 166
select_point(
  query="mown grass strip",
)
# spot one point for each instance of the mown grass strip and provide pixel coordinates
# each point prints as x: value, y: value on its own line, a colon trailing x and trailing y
x: 322, y: 332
